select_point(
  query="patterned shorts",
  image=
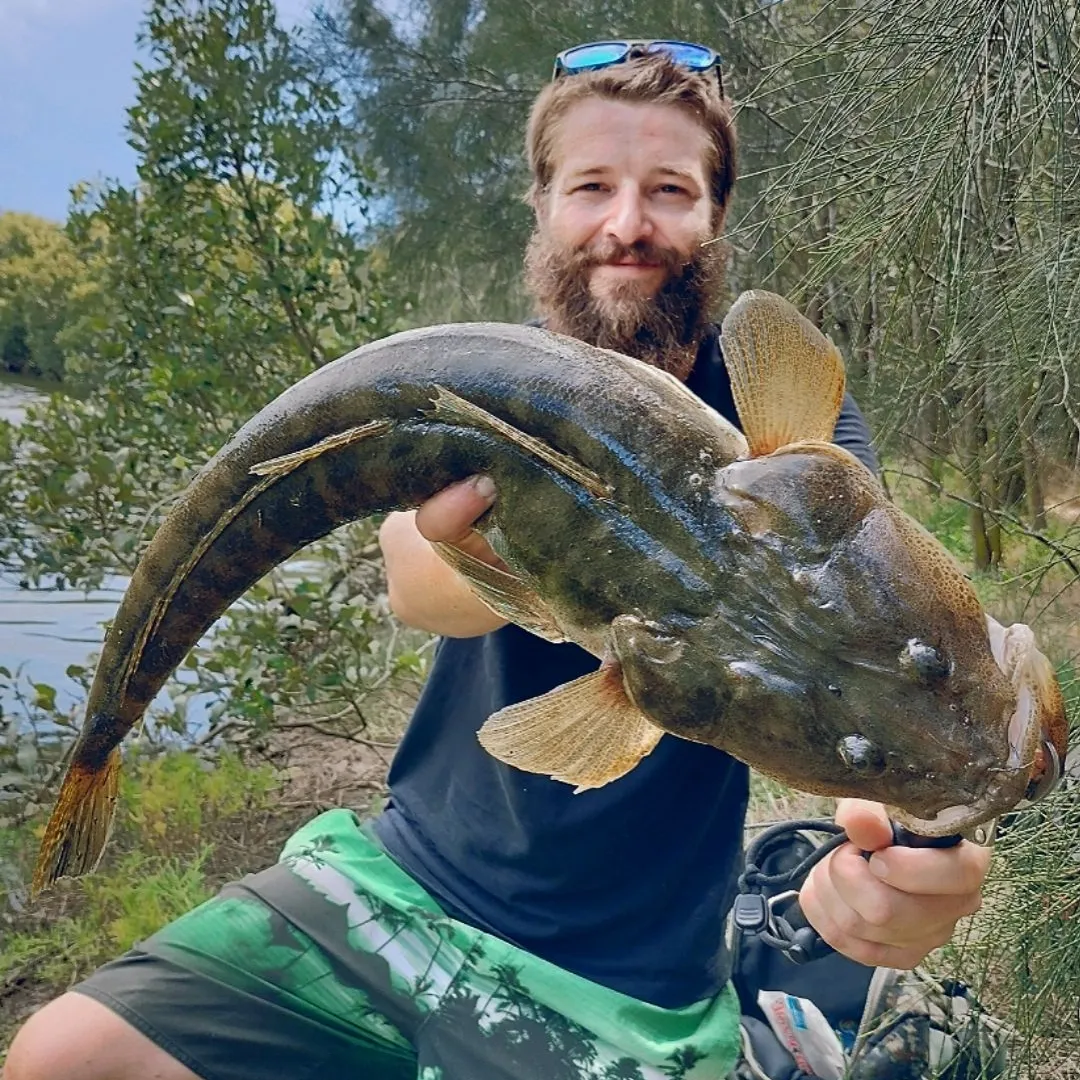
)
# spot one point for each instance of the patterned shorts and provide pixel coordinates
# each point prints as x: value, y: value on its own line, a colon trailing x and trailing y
x: 335, y: 963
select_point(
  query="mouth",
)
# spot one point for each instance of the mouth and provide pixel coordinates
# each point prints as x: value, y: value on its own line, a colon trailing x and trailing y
x: 632, y: 266
x: 1036, y: 739
x: 1038, y: 728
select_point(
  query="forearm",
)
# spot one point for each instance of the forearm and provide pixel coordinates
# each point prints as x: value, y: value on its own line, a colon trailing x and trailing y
x: 424, y: 592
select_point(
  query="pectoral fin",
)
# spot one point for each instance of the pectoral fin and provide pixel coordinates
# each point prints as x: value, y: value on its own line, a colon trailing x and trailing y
x: 455, y: 409
x: 787, y: 377
x: 585, y: 733
x: 505, y: 593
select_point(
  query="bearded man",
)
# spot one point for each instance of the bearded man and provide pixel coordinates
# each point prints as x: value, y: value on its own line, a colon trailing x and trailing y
x: 490, y: 924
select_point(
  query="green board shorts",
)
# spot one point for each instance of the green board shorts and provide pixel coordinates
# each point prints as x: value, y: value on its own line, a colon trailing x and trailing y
x: 336, y: 963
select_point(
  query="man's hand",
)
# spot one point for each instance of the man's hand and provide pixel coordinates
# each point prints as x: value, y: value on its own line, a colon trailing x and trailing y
x: 448, y: 516
x: 895, y: 908
x: 424, y: 591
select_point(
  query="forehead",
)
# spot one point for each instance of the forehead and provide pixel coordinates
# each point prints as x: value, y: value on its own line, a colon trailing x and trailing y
x: 595, y: 133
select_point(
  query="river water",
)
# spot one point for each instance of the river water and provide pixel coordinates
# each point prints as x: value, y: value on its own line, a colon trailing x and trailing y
x: 14, y: 397
x: 45, y: 631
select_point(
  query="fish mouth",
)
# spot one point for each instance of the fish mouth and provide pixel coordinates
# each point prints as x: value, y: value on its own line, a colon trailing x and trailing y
x: 1036, y: 739
x: 1038, y: 729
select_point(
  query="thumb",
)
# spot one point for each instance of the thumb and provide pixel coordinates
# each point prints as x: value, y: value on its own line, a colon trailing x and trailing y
x: 866, y: 823
x: 448, y: 516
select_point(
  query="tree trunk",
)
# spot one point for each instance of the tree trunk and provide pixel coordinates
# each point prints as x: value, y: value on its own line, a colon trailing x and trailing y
x: 1033, y: 489
x: 985, y: 553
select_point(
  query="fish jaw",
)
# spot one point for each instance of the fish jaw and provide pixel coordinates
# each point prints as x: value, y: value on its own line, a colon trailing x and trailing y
x: 1038, y: 730
x: 1037, y: 738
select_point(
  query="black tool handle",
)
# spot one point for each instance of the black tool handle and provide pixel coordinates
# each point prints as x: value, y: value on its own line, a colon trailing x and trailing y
x: 902, y: 837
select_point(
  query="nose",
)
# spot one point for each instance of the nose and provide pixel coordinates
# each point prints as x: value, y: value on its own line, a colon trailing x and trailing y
x: 628, y: 219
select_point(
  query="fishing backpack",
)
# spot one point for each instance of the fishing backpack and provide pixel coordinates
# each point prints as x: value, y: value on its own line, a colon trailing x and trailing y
x: 834, y: 1019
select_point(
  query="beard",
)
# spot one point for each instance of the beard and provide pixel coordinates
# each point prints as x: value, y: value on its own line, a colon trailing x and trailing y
x: 664, y: 330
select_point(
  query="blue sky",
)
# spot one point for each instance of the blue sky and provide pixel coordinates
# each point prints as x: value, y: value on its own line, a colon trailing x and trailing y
x: 66, y: 76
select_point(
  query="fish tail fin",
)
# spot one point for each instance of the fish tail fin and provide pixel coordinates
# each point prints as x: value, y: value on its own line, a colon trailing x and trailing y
x: 80, y: 824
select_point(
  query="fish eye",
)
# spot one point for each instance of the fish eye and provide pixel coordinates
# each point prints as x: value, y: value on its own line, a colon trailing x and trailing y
x: 860, y: 755
x: 927, y: 663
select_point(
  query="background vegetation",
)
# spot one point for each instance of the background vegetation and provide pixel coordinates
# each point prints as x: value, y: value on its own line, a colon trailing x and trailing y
x: 907, y: 176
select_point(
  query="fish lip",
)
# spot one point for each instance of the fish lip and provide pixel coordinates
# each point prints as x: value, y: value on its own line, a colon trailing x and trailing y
x: 999, y: 798
x: 1034, y: 766
x: 1032, y: 726
x: 1044, y: 784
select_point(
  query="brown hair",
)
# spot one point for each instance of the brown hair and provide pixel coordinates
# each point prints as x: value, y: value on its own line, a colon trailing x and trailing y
x: 649, y: 80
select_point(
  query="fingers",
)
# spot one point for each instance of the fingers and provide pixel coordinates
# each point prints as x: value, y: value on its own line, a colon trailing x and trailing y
x: 956, y: 872
x: 901, y: 903
x: 448, y: 517
x: 866, y: 942
x: 866, y: 823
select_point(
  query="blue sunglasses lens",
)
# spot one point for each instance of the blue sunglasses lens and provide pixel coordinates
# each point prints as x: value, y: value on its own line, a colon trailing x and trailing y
x: 597, y: 55
x: 696, y: 57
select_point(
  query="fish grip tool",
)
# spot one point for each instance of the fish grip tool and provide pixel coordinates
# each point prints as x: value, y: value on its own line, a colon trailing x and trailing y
x: 763, y: 915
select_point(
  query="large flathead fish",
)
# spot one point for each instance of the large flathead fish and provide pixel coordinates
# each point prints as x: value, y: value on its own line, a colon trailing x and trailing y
x: 759, y: 594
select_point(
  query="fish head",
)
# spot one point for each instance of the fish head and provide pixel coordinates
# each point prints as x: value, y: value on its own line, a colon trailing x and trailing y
x: 964, y: 717
x: 852, y: 655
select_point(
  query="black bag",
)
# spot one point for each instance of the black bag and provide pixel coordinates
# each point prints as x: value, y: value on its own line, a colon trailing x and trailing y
x: 888, y: 1024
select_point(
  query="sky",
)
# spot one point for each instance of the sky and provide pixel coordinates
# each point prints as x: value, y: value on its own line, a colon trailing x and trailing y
x: 66, y: 76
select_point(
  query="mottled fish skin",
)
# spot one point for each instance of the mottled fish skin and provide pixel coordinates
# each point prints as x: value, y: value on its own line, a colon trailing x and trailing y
x: 763, y: 605
x: 553, y: 387
x: 233, y: 525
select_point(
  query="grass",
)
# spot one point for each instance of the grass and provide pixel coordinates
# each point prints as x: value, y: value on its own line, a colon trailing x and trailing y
x: 184, y: 827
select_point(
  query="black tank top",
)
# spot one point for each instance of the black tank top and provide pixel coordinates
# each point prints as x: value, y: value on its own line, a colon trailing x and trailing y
x: 627, y: 885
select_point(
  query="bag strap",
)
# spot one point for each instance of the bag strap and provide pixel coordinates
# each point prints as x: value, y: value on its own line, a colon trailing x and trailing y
x: 757, y: 914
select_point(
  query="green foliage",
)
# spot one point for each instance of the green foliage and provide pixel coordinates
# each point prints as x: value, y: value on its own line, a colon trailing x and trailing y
x: 178, y: 795
x: 442, y: 93
x: 33, y: 735
x: 312, y: 643
x: 44, y: 287
x: 173, y: 812
x: 226, y: 275
x: 906, y: 176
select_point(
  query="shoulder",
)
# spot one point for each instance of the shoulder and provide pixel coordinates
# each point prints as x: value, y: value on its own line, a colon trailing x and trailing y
x: 853, y: 433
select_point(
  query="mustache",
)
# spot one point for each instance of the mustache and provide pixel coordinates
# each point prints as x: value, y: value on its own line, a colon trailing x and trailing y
x: 664, y: 330
x: 613, y: 251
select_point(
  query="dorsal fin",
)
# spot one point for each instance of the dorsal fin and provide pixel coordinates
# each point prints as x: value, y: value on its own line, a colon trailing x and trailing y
x: 456, y: 410
x: 787, y: 377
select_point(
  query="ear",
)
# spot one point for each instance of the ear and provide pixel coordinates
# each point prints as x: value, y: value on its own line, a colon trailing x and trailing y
x: 537, y: 198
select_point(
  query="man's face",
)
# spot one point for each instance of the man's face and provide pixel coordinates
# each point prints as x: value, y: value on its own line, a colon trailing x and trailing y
x: 617, y: 258
x: 635, y: 175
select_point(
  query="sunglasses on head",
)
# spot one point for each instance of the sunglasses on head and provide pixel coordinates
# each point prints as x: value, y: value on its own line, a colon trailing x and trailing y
x: 601, y: 54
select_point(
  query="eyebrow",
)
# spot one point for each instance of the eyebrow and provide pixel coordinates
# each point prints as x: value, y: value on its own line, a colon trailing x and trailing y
x: 681, y: 174
x: 663, y: 170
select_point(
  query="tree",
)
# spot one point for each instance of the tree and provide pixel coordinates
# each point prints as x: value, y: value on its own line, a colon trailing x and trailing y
x: 234, y: 267
x: 441, y: 95
x: 43, y: 283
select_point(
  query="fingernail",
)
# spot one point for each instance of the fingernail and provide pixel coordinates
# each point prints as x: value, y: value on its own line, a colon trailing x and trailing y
x: 878, y: 868
x: 484, y: 486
